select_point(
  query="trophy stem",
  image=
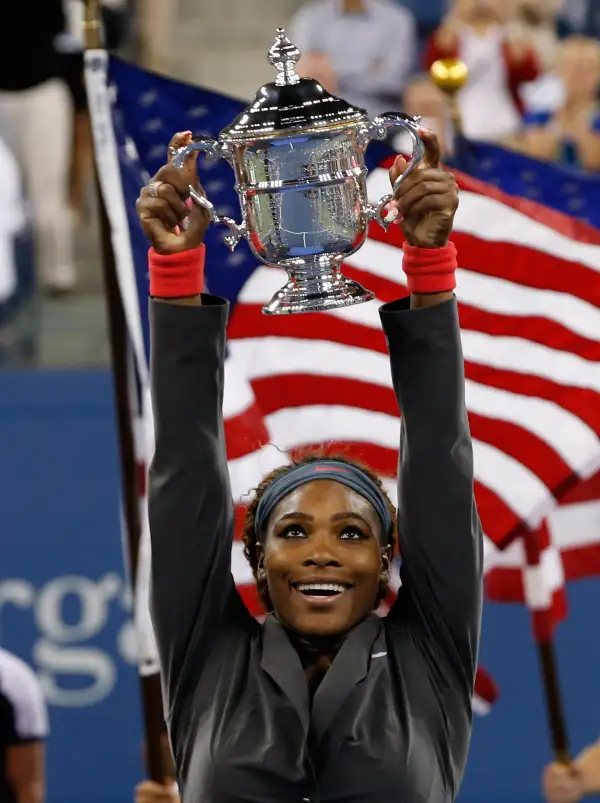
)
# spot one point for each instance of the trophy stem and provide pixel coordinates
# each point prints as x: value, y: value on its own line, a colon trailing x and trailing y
x: 316, y: 286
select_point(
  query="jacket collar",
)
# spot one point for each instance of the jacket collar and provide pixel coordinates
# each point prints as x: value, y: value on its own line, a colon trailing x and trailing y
x: 351, y: 665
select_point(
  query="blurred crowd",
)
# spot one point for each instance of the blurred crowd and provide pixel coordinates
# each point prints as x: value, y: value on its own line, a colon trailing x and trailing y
x: 534, y: 66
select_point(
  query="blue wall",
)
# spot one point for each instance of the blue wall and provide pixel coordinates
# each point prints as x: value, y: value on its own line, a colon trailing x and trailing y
x: 63, y: 608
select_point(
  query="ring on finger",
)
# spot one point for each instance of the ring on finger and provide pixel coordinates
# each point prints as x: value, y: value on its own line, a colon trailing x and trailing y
x: 153, y: 188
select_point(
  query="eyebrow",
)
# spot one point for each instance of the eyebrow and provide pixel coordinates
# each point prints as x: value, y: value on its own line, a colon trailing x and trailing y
x: 296, y: 514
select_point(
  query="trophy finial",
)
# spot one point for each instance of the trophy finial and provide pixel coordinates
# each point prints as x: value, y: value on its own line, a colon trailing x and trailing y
x: 284, y: 56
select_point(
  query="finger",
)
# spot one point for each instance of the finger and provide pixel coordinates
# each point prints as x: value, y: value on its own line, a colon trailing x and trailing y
x: 198, y: 220
x: 169, y: 174
x: 157, y: 209
x: 168, y: 193
x: 190, y: 166
x: 431, y: 203
x: 432, y: 148
x: 414, y: 193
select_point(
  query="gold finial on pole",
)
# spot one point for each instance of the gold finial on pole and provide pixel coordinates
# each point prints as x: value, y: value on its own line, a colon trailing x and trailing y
x: 92, y: 25
x: 450, y: 75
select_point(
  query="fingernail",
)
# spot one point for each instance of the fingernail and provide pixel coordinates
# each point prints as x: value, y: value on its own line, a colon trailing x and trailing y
x: 177, y: 230
x: 425, y: 130
x: 189, y: 203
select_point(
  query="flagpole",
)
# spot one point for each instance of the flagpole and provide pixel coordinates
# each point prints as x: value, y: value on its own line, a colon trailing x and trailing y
x: 151, y: 696
x: 554, y: 702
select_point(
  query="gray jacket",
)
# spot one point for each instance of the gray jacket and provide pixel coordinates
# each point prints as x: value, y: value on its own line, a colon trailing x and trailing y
x: 391, y: 721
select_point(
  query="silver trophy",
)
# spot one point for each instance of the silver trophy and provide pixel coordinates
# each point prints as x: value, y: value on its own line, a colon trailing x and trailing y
x: 298, y: 157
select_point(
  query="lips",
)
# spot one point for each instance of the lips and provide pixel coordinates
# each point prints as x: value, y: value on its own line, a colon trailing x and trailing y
x: 320, y: 591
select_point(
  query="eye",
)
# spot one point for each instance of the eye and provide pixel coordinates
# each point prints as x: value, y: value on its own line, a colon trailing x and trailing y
x: 353, y: 534
x: 292, y: 531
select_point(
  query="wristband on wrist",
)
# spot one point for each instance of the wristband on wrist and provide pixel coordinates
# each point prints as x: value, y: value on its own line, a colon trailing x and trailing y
x: 430, y: 270
x: 177, y: 275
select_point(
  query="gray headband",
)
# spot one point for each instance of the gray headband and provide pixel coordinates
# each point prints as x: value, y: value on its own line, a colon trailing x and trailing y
x: 344, y: 473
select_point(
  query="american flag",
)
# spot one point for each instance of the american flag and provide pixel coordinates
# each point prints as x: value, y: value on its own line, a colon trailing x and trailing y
x: 529, y: 306
x: 528, y: 294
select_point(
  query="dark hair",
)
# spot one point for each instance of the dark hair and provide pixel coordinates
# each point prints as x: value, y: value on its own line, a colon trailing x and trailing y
x: 251, y: 537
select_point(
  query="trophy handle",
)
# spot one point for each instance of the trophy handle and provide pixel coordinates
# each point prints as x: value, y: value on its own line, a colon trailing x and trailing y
x: 217, y: 151
x: 379, y: 129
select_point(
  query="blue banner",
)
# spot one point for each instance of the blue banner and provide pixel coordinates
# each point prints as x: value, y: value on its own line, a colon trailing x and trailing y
x: 64, y: 605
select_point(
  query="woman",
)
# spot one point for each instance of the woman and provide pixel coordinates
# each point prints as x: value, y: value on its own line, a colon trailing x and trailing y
x: 500, y: 58
x: 325, y: 700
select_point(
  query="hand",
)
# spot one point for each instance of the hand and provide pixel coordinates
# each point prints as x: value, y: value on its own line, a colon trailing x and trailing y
x: 150, y: 792
x: 426, y: 200
x: 562, y: 784
x: 162, y: 214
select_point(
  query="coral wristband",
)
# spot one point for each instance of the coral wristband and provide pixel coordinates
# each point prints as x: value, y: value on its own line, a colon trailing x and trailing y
x: 176, y: 275
x: 430, y: 270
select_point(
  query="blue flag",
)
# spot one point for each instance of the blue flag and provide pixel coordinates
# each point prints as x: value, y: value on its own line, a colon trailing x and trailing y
x: 565, y: 189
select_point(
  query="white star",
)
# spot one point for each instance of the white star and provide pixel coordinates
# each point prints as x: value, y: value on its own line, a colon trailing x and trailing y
x: 153, y: 125
x: 131, y: 151
x: 234, y: 259
x: 198, y: 111
x: 148, y: 98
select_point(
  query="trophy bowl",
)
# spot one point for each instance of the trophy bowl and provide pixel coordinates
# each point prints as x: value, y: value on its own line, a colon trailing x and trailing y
x: 298, y: 157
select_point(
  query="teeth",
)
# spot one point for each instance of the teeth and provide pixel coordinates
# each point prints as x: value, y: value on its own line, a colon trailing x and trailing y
x: 336, y: 588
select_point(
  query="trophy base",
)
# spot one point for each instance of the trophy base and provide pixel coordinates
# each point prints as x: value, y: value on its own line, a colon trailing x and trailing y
x: 317, y: 294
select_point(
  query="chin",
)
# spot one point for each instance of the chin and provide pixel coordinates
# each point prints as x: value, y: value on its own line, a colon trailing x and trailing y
x: 323, y: 626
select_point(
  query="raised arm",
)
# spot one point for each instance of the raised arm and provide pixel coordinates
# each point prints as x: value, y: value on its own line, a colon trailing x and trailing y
x: 440, y: 537
x: 193, y: 597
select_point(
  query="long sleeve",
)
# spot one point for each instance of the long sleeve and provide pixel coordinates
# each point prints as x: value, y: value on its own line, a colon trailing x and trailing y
x: 440, y: 537
x: 193, y: 597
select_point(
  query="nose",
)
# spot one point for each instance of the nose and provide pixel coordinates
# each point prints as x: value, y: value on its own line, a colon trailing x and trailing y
x: 322, y: 551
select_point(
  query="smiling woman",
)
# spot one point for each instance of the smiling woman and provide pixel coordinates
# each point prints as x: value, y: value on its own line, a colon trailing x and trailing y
x: 324, y: 701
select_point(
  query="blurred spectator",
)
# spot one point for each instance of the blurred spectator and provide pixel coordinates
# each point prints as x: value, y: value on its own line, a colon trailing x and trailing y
x: 428, y: 15
x: 423, y: 98
x: 12, y: 222
x: 362, y: 50
x: 23, y: 731
x: 500, y: 60
x: 70, y: 46
x: 569, y: 784
x: 35, y: 104
x: 154, y: 19
x: 571, y: 135
x: 537, y: 20
x: 580, y: 17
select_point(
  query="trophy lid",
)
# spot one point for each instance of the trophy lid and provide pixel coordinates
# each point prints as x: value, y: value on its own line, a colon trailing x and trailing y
x: 290, y: 103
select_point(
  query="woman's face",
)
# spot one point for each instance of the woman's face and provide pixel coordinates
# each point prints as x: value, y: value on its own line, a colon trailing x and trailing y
x: 323, y: 559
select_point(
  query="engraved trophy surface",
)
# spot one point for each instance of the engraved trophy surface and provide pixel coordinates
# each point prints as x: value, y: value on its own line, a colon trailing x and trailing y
x: 298, y: 157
